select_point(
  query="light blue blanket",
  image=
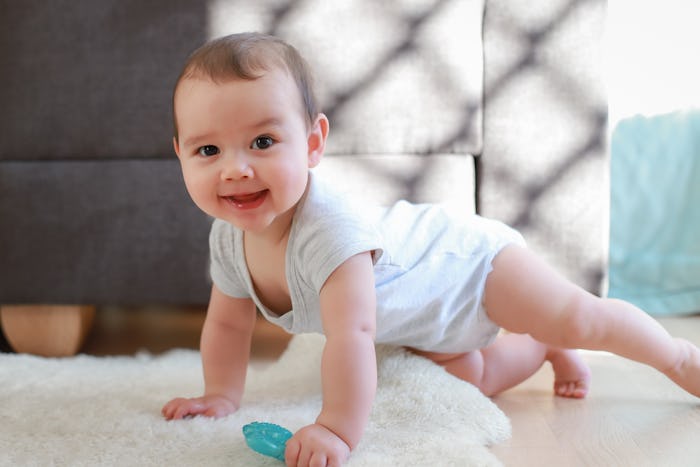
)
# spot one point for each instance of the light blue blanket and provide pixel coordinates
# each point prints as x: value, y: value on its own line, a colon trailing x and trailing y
x: 655, y: 213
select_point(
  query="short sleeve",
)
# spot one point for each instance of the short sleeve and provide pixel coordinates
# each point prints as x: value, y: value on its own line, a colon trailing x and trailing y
x: 330, y: 244
x: 224, y: 260
x: 330, y: 230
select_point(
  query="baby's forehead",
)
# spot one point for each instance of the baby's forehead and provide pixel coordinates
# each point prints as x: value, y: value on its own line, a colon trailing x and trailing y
x: 275, y: 77
x: 276, y: 88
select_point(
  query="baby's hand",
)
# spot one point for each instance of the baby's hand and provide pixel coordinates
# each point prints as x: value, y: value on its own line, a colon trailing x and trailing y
x: 209, y: 406
x: 316, y: 446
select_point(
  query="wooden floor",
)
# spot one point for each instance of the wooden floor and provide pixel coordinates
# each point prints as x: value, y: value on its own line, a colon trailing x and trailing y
x: 632, y: 417
x: 125, y: 331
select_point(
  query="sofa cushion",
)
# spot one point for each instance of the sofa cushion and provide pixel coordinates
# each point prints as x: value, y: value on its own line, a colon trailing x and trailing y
x: 382, y: 179
x: 104, y: 232
x: 544, y: 165
x: 81, y: 79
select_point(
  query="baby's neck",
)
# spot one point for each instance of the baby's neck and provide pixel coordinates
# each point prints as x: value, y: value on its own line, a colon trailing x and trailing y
x: 275, y: 235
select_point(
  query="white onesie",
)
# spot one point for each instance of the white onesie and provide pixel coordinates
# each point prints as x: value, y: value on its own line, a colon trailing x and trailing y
x: 430, y: 267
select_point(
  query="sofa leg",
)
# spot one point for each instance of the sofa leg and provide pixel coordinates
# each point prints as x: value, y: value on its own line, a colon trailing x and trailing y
x: 46, y: 330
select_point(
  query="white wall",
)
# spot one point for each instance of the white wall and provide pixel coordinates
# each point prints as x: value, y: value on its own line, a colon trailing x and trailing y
x: 653, y: 56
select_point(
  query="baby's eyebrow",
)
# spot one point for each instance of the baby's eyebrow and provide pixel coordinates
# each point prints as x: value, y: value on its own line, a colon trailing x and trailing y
x: 196, y: 140
x: 267, y: 122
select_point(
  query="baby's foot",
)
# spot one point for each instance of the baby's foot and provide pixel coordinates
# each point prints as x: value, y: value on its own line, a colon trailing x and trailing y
x: 572, y: 377
x: 686, y: 373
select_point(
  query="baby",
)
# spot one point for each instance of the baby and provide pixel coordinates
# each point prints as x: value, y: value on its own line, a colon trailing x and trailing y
x: 247, y: 133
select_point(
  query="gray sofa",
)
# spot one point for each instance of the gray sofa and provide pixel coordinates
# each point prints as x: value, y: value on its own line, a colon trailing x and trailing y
x: 495, y: 106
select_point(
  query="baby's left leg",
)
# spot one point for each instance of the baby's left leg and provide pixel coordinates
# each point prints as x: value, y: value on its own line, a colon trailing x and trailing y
x: 513, y: 358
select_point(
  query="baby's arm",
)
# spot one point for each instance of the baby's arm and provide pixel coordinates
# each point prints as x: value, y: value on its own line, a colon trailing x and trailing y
x: 348, y: 366
x: 225, y: 348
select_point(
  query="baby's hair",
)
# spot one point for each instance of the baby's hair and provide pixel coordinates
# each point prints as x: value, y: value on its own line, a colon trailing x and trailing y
x: 248, y: 56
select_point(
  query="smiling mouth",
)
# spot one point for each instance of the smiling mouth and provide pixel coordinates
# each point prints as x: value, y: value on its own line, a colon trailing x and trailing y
x: 247, y: 200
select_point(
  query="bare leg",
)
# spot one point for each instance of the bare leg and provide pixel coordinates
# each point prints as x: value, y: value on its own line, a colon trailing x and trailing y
x: 513, y: 358
x: 524, y: 295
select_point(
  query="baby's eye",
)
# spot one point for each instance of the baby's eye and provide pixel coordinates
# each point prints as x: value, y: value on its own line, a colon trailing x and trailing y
x: 262, y: 142
x: 208, y: 151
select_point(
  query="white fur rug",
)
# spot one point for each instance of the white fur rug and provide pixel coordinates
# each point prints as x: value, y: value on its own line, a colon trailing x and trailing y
x: 88, y: 411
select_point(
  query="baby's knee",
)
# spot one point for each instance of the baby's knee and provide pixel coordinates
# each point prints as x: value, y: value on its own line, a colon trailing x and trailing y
x: 467, y: 366
x: 580, y: 323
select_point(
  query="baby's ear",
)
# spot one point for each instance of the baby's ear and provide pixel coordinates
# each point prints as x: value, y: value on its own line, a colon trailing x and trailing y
x: 317, y: 140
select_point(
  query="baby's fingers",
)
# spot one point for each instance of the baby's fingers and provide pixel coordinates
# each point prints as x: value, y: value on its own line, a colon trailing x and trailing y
x: 180, y: 408
x: 291, y: 452
x: 319, y: 459
x: 169, y: 408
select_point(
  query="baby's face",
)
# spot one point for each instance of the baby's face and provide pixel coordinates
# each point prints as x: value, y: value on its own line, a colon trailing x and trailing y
x: 245, y: 148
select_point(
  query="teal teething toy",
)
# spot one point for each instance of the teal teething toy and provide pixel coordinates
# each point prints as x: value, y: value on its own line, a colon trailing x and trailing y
x: 267, y: 438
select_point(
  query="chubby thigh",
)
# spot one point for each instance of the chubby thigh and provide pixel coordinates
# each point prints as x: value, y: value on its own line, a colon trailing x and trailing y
x: 525, y: 295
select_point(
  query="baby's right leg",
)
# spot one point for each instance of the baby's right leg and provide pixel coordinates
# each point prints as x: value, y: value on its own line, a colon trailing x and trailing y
x: 524, y: 295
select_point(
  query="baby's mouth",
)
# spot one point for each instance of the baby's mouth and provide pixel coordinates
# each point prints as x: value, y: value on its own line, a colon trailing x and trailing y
x: 247, y: 200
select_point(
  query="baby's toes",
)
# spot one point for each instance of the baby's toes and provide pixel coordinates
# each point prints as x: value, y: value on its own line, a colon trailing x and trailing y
x: 573, y: 389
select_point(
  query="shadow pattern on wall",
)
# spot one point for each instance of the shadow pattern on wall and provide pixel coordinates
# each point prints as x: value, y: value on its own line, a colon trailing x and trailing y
x: 544, y: 165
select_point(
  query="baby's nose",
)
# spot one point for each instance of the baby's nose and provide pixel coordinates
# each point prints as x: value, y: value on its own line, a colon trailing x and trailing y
x: 236, y: 167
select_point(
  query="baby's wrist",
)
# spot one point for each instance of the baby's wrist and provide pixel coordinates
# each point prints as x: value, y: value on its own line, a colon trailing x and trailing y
x: 232, y: 399
x: 339, y: 429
